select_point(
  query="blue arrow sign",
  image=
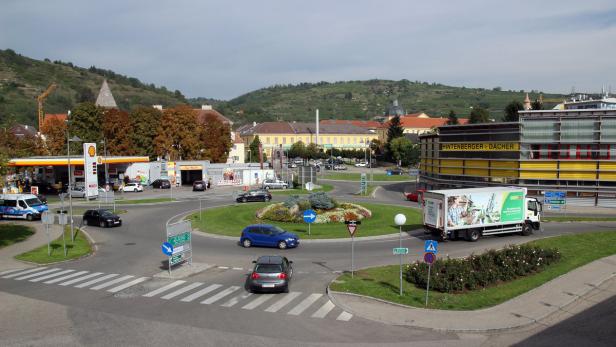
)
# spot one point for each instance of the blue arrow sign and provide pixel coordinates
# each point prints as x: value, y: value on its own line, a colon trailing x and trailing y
x: 310, y: 216
x: 167, y: 248
x: 431, y: 246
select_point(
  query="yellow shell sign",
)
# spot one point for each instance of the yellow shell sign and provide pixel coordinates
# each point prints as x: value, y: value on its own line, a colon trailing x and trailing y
x: 91, y: 151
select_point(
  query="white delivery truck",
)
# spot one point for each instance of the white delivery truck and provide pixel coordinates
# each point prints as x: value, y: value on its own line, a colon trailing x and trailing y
x: 474, y: 212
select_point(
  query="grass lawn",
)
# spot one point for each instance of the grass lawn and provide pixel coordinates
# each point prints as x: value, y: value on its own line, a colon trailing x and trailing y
x: 355, y: 176
x: 143, y: 201
x: 230, y: 220
x: 13, y: 233
x: 324, y: 188
x: 79, y: 248
x: 577, y: 219
x: 383, y: 282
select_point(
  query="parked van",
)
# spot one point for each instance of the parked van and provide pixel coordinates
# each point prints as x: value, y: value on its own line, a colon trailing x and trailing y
x: 23, y: 206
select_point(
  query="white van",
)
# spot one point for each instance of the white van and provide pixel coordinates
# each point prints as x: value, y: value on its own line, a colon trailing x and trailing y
x: 22, y: 206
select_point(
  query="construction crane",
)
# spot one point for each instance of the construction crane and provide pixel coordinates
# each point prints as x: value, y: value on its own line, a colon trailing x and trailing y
x: 40, y: 100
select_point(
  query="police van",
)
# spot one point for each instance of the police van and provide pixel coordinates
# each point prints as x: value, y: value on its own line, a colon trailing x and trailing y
x: 22, y: 206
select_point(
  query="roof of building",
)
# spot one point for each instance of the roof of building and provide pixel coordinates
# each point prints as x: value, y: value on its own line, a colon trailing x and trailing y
x: 303, y: 128
x: 370, y: 124
x: 20, y: 130
x: 59, y: 116
x: 203, y: 113
x: 105, y: 98
x: 426, y: 123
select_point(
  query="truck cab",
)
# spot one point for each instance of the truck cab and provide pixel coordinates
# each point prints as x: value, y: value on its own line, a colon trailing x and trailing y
x: 533, y: 212
x: 21, y: 206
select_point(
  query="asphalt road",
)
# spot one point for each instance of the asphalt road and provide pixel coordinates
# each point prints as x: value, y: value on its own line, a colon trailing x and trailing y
x: 214, y: 302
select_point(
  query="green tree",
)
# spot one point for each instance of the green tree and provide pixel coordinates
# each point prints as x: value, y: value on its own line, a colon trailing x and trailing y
x: 298, y: 149
x: 452, y: 119
x: 85, y: 122
x: 254, y: 150
x: 145, y: 122
x: 511, y: 111
x: 401, y: 150
x: 395, y: 130
x: 479, y: 115
x: 312, y: 151
x: 536, y: 105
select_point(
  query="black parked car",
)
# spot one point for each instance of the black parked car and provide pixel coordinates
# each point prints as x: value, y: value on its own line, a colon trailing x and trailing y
x: 199, y: 186
x: 254, y: 195
x: 271, y: 273
x: 161, y: 183
x: 101, y: 217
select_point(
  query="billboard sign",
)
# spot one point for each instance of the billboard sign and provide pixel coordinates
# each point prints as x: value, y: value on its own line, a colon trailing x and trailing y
x: 484, y: 208
x: 89, y: 166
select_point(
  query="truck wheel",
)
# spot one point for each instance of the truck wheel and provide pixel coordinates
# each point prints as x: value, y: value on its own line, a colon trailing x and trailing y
x: 473, y: 235
x: 527, y: 229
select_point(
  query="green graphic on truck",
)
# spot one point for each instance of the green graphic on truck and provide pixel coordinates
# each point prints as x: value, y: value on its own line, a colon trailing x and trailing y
x: 484, y: 208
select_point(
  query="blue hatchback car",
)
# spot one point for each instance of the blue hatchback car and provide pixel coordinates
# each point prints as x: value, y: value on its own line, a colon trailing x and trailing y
x: 269, y: 236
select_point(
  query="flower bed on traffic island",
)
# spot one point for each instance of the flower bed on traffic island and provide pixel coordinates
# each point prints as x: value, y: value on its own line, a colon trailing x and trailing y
x: 328, y: 210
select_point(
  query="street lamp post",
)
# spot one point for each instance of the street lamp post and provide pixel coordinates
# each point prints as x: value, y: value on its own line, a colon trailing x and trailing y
x: 400, y: 219
x: 70, y: 179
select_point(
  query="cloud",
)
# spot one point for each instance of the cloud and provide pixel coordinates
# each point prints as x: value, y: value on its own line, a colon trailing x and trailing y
x: 224, y: 49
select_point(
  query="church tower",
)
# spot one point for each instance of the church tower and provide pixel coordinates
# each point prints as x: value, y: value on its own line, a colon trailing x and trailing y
x: 527, y: 105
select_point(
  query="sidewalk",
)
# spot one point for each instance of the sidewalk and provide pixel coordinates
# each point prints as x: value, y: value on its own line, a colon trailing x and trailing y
x: 7, y: 254
x: 523, y: 310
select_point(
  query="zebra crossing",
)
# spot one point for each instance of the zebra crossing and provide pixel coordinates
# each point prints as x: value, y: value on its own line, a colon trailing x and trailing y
x: 314, y: 305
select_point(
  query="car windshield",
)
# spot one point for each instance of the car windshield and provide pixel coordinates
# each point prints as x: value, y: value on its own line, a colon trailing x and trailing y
x: 277, y: 230
x: 268, y: 268
x: 33, y: 202
x: 106, y: 213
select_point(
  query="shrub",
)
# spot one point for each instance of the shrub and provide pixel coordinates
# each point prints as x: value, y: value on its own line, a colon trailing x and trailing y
x: 321, y: 201
x: 291, y: 201
x: 480, y: 271
x: 279, y: 213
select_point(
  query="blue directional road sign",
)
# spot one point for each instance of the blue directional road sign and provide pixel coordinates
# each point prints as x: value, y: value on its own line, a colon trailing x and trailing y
x: 310, y: 216
x: 167, y: 248
x: 431, y: 246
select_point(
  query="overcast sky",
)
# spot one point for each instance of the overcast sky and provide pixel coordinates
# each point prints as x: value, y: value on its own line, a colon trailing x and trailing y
x: 224, y: 49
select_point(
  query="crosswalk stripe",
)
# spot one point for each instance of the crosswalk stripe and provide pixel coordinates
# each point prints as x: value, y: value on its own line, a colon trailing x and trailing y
x: 96, y: 280
x: 344, y: 316
x: 25, y: 272
x: 236, y: 299
x: 163, y: 289
x: 202, y: 292
x: 56, y: 280
x: 127, y: 285
x: 282, y: 302
x: 258, y: 301
x: 79, y: 279
x: 112, y: 282
x: 9, y: 271
x: 38, y: 279
x: 181, y: 291
x: 220, y: 295
x: 37, y: 274
x: 324, y: 310
x: 302, y: 306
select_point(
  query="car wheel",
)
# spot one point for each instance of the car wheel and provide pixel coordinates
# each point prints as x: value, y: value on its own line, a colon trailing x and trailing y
x: 135, y: 190
x: 102, y: 224
x: 282, y: 245
x: 246, y: 243
x: 266, y: 199
x: 29, y: 217
x: 244, y: 200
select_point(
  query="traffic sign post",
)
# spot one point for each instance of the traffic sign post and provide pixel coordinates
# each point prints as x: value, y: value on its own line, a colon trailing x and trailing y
x: 363, y: 184
x: 309, y: 217
x: 178, y: 246
x: 63, y: 221
x: 401, y: 251
x: 352, y: 228
x: 555, y: 200
x: 430, y: 249
x: 47, y: 218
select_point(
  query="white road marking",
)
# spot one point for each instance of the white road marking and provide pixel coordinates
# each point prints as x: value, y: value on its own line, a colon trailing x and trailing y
x: 223, y: 267
x: 258, y: 301
x: 9, y: 271
x: 202, y: 292
x: 238, y: 268
x: 324, y: 310
x: 302, y: 306
x: 127, y: 285
x: 344, y: 316
x: 220, y: 295
x: 181, y: 290
x: 56, y: 280
x: 37, y: 274
x: 112, y: 282
x: 25, y: 272
x: 236, y: 299
x: 164, y: 289
x: 282, y: 302
x: 96, y: 280
x: 38, y: 279
x: 79, y: 279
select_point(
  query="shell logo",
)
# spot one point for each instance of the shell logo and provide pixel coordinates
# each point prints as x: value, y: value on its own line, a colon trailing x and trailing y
x: 91, y: 151
x: 99, y: 160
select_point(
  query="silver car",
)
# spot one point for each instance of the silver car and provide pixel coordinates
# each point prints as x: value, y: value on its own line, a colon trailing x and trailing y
x: 271, y: 273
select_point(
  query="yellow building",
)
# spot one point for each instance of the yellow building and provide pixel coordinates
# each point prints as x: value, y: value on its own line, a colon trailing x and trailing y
x: 284, y: 134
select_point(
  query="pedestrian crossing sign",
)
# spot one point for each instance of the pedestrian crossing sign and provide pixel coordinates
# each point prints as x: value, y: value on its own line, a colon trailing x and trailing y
x: 431, y: 246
